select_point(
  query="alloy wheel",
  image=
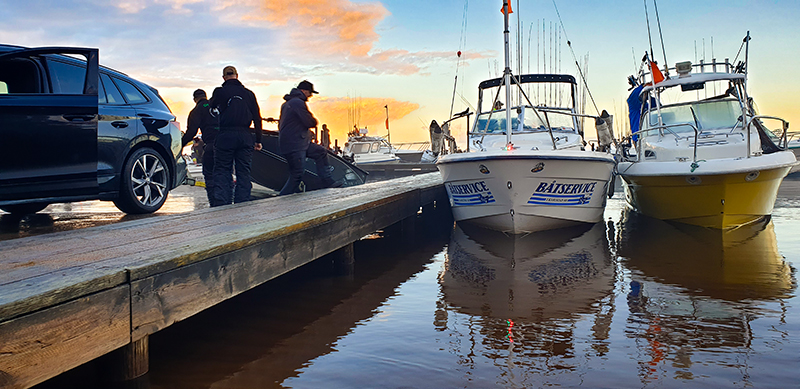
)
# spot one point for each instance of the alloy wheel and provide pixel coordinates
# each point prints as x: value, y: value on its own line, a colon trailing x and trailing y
x: 149, y: 180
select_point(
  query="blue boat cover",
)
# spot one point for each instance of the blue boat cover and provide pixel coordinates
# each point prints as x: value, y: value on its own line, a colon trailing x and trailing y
x: 635, y: 110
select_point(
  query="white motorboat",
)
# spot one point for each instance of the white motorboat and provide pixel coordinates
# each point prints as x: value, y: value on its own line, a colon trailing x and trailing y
x: 369, y: 149
x: 533, y: 175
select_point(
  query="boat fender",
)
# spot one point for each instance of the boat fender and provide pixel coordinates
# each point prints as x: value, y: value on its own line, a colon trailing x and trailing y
x: 603, y: 125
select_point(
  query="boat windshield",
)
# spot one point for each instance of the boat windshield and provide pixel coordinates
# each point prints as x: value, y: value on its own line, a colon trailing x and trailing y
x: 559, y: 120
x: 705, y: 115
x: 360, y: 148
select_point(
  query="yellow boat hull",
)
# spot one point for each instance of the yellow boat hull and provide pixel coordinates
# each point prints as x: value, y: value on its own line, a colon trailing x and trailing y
x: 721, y: 201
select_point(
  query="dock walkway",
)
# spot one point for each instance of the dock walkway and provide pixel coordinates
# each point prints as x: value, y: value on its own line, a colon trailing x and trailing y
x: 68, y: 298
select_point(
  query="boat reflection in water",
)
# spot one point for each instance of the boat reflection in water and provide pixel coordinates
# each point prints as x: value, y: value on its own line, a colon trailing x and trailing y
x: 526, y: 294
x: 734, y: 265
x: 697, y: 296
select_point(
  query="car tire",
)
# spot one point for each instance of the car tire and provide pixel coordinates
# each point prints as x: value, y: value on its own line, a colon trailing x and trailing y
x: 145, y: 182
x: 24, y: 209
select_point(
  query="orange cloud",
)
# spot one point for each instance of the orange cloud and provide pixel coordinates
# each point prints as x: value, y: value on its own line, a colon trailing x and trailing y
x: 341, y: 113
x: 329, y: 26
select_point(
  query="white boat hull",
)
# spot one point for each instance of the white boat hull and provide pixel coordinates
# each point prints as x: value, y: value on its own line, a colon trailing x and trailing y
x: 523, y: 192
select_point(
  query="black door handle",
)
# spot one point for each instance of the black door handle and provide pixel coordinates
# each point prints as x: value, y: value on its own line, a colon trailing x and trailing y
x: 78, y: 117
x: 119, y: 124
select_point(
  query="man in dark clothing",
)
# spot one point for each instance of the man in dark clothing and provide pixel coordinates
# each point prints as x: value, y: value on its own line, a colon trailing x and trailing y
x: 201, y: 118
x: 237, y: 108
x: 294, y: 139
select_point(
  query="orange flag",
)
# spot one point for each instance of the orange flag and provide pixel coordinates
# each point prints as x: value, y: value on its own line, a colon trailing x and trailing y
x: 657, y: 75
x: 506, y: 3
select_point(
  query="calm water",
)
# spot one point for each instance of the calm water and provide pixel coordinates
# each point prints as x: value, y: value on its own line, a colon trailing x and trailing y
x: 629, y: 303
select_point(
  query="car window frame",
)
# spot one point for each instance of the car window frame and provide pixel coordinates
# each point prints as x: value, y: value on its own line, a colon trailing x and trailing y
x: 48, y: 59
x: 121, y: 104
x: 92, y: 61
x: 114, y: 79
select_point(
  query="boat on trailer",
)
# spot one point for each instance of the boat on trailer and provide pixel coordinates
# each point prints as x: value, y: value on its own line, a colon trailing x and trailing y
x: 526, y: 168
x: 707, y: 161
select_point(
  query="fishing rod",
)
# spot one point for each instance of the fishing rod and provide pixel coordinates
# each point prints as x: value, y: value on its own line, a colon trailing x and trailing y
x: 661, y: 35
x: 569, y: 44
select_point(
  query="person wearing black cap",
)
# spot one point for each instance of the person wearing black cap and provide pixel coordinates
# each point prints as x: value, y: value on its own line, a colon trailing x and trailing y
x: 294, y: 138
x: 237, y: 108
x: 201, y: 118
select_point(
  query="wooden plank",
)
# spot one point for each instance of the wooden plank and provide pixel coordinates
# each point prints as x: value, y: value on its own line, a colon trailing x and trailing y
x: 167, y: 297
x: 145, y: 249
x: 36, y: 347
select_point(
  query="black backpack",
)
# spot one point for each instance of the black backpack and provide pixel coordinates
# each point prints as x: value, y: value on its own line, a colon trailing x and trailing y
x: 236, y: 114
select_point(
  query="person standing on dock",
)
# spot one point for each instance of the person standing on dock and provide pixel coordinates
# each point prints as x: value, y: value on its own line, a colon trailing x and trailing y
x: 325, y: 137
x: 235, y: 143
x: 294, y: 139
x: 201, y: 118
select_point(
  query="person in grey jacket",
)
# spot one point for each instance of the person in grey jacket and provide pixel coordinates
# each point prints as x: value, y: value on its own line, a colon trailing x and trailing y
x: 294, y: 139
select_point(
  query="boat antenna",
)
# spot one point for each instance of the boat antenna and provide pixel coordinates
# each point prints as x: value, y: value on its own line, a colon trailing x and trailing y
x: 663, y: 50
x: 507, y: 74
x: 461, y: 44
x: 746, y: 57
x: 569, y: 44
x: 649, y: 38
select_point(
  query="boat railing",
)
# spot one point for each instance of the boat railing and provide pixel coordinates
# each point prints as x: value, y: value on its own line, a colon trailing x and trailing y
x: 701, y: 67
x: 784, y: 140
x: 668, y: 128
x: 546, y: 128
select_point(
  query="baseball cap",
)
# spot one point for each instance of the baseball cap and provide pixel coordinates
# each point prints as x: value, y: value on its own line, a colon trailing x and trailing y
x: 229, y: 70
x: 305, y: 85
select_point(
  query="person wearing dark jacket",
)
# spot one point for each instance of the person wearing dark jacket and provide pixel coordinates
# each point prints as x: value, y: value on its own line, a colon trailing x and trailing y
x: 235, y: 142
x: 294, y: 138
x: 201, y: 118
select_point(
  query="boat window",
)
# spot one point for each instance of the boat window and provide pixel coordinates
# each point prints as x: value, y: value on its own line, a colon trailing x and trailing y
x: 360, y: 148
x: 709, y: 114
x: 531, y: 122
x: 375, y: 147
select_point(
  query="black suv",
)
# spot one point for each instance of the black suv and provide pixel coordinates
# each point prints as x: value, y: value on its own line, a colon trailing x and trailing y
x: 71, y: 130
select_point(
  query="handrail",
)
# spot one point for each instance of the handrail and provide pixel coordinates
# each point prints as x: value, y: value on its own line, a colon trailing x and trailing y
x: 783, y: 136
x: 678, y: 137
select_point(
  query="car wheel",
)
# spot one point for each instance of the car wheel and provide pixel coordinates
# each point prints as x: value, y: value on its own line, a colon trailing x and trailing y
x: 24, y: 209
x: 145, y: 182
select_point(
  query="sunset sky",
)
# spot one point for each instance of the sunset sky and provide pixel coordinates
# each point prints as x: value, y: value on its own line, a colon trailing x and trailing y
x: 364, y: 55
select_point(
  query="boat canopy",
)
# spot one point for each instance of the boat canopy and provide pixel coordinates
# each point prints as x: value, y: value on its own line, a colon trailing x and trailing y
x: 529, y: 78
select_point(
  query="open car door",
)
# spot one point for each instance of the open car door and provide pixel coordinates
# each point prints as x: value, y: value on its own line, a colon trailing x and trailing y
x: 48, y: 126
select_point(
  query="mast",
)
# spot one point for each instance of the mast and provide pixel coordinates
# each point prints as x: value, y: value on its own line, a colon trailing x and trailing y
x: 507, y: 74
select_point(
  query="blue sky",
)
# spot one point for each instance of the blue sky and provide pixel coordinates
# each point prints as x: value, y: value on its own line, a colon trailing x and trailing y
x: 400, y: 53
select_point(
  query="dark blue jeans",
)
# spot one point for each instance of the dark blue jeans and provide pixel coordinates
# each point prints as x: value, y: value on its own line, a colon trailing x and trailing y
x: 296, y: 161
x: 232, y: 147
x: 208, y: 171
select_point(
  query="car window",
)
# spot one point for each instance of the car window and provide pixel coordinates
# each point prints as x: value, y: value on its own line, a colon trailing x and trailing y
x: 101, y: 94
x: 3, y: 88
x: 66, y: 78
x: 112, y: 93
x: 130, y: 92
x: 20, y: 75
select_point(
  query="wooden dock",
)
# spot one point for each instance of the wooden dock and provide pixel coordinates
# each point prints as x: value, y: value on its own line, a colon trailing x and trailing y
x: 68, y: 298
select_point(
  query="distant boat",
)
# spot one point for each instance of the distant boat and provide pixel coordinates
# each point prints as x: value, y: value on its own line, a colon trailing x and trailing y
x: 269, y: 168
x: 707, y: 161
x: 364, y: 149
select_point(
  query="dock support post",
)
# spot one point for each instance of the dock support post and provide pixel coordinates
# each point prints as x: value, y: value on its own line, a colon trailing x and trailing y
x: 128, y: 362
x: 344, y: 260
x: 408, y: 226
